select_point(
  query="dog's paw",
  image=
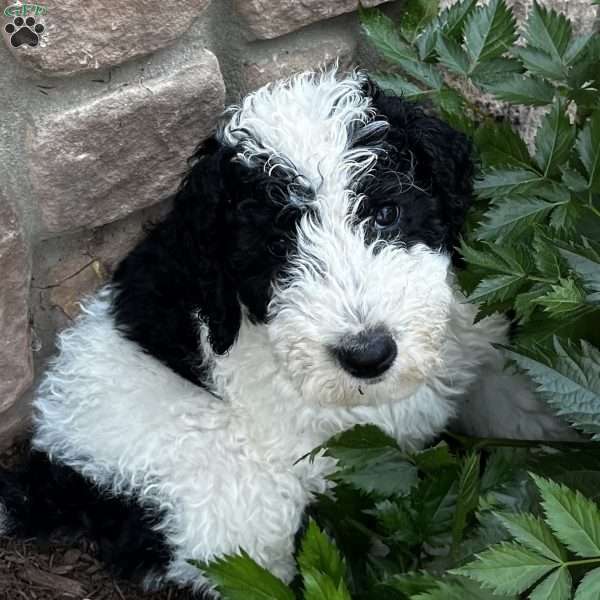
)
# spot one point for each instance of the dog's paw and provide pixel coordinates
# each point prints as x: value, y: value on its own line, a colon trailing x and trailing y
x: 24, y: 31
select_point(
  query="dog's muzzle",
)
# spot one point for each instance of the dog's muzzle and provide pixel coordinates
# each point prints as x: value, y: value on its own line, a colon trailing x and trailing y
x: 368, y: 354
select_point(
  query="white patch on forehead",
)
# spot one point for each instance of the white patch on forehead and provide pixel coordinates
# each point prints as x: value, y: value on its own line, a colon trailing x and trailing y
x: 306, y: 124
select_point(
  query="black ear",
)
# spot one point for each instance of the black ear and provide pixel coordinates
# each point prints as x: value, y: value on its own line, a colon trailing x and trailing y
x: 442, y: 156
x: 178, y: 273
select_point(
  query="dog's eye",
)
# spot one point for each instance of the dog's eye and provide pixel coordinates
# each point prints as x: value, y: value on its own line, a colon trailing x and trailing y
x: 278, y: 247
x: 386, y: 216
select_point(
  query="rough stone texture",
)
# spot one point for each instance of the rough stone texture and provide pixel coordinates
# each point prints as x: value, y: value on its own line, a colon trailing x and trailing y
x: 126, y: 150
x: 16, y: 371
x: 69, y: 268
x: 582, y: 13
x: 83, y: 36
x: 285, y: 62
x: 268, y: 19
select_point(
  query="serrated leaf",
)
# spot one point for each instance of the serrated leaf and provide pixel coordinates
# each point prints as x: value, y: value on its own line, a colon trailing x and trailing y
x: 554, y: 140
x: 540, y: 63
x: 557, y: 586
x: 497, y: 69
x: 417, y: 14
x: 588, y: 146
x: 532, y: 532
x: 514, y: 216
x: 563, y: 298
x: 241, y: 578
x: 586, y: 264
x: 525, y: 305
x: 546, y: 256
x: 319, y: 553
x: 500, y: 146
x: 573, y: 180
x: 450, y: 22
x: 467, y: 497
x: 507, y: 568
x: 451, y: 55
x: 489, y: 31
x: 497, y: 289
x: 371, y: 461
x: 529, y: 90
x: 496, y: 258
x: 500, y: 182
x: 569, y: 380
x: 589, y: 586
x: 548, y: 30
x: 574, y: 519
x: 399, y: 86
x: 318, y: 586
x: 434, y: 459
x: 383, y: 34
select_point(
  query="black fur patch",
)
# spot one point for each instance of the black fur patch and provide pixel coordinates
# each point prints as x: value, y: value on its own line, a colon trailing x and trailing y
x: 439, y: 161
x: 45, y: 498
x: 215, y: 248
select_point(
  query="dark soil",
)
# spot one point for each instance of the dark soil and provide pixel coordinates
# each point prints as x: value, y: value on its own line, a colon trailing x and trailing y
x: 31, y: 570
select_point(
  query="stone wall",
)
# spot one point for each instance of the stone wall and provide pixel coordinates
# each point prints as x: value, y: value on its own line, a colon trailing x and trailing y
x: 96, y: 123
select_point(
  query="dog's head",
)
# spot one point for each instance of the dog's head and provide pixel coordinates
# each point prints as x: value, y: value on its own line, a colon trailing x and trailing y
x: 329, y: 214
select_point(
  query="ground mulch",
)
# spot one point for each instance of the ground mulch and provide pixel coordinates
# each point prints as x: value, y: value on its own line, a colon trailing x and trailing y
x: 32, y: 570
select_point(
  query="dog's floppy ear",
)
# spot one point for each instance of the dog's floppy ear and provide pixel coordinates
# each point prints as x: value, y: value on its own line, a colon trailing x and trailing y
x: 203, y: 208
x: 176, y: 279
x: 442, y: 155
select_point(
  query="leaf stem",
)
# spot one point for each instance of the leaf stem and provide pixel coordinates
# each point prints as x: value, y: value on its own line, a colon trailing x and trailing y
x: 480, y: 443
x: 585, y: 561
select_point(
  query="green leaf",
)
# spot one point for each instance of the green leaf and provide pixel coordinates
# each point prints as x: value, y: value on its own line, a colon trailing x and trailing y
x: 554, y: 140
x: 589, y: 586
x: 540, y: 63
x: 399, y: 86
x: 489, y: 31
x: 507, y: 568
x: 588, y: 146
x: 413, y: 583
x: 500, y: 146
x: 318, y: 553
x: 468, y: 496
x: 449, y: 22
x: 371, y: 461
x: 548, y: 31
x: 585, y: 263
x: 451, y: 55
x: 382, y: 33
x: 519, y: 89
x: 563, y: 298
x: 534, y: 533
x: 569, y: 380
x: 496, y: 258
x: 416, y: 15
x: 435, y: 459
x: 514, y: 216
x: 557, y: 586
x: 240, y: 578
x: 318, y: 586
x: 497, y: 69
x: 497, y: 289
x: 547, y: 259
x: 574, y: 519
x: 500, y: 182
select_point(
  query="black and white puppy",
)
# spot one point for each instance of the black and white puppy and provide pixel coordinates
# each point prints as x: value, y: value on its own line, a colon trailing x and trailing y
x: 302, y: 284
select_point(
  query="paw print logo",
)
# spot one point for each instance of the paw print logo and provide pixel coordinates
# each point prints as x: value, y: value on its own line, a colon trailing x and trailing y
x: 24, y: 31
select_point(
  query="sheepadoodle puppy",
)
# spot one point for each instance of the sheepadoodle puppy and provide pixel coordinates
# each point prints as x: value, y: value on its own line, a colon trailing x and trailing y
x: 302, y: 284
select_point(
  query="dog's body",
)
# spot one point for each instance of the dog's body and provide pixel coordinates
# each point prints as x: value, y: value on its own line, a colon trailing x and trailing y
x: 301, y: 285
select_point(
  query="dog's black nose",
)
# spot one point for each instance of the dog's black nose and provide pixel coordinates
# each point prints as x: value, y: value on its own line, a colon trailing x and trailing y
x: 367, y: 354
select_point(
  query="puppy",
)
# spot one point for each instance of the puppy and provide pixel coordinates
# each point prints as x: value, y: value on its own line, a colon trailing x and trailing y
x: 302, y: 284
